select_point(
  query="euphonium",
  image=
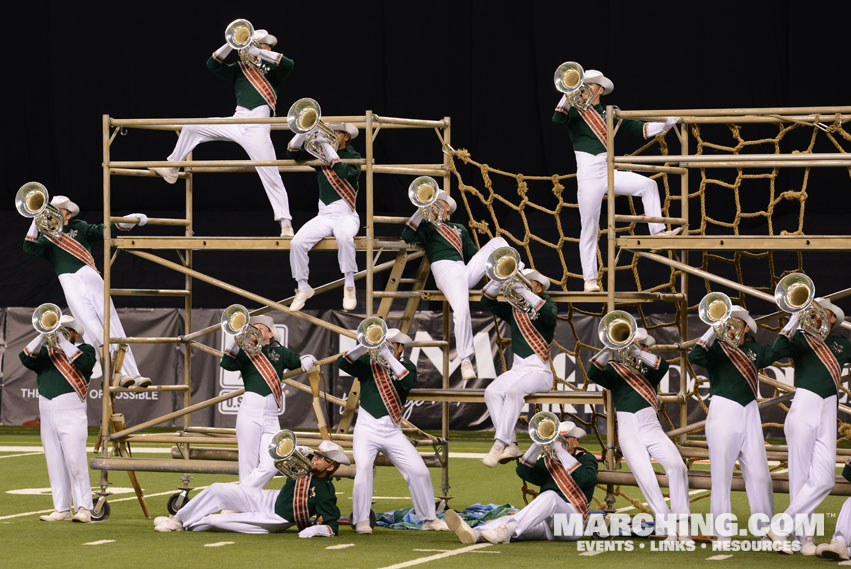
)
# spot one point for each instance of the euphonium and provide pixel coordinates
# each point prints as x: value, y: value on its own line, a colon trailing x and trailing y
x: 796, y: 293
x: 46, y: 320
x: 543, y: 429
x: 235, y: 322
x: 503, y: 265
x: 32, y: 200
x: 372, y: 333
x: 423, y: 193
x: 305, y: 117
x: 239, y: 34
x: 288, y: 461
x: 716, y: 309
x: 617, y: 332
x: 569, y: 78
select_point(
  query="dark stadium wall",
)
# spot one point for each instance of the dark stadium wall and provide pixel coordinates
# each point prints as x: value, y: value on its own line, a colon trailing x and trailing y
x: 486, y: 65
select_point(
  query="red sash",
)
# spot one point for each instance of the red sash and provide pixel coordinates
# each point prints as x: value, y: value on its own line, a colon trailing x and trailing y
x: 341, y: 186
x: 636, y: 381
x: 73, y: 247
x: 567, y: 484
x: 269, y: 375
x: 745, y: 366
x: 388, y: 393
x: 534, y: 338
x: 595, y: 122
x: 301, y: 512
x: 826, y: 357
x: 260, y: 83
x: 69, y: 371
x: 452, y: 237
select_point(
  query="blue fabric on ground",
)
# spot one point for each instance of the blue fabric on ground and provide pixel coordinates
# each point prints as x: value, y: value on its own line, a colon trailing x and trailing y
x: 406, y: 518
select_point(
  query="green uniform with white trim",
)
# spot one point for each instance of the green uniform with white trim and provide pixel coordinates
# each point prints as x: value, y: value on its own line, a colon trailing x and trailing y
x: 625, y: 398
x: 321, y: 501
x: 246, y: 95
x: 810, y: 372
x: 280, y: 357
x: 585, y: 475
x: 370, y: 398
x: 60, y: 260
x: 51, y: 382
x: 581, y: 135
x: 348, y: 172
x: 436, y: 247
x: 545, y: 323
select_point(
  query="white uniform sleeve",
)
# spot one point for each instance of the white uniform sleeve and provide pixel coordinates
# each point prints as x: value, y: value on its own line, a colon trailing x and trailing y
x: 222, y: 53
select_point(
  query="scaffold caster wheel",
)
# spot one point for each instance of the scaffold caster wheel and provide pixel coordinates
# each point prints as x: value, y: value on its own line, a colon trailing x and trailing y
x: 177, y: 501
x: 101, y: 509
x: 372, y: 519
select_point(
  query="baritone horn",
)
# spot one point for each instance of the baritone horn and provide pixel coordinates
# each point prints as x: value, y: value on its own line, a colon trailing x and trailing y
x: 236, y: 322
x: 569, y: 78
x: 46, y: 319
x: 288, y: 460
x: 616, y: 331
x: 32, y: 200
x: 239, y: 34
x: 504, y: 265
x: 423, y: 192
x: 305, y: 117
x: 543, y: 430
x: 716, y: 310
x: 796, y: 293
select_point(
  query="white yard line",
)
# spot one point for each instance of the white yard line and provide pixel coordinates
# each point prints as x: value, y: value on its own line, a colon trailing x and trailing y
x: 341, y: 546
x: 219, y: 543
x: 590, y: 553
x: 718, y: 557
x: 22, y: 454
x: 443, y: 555
x: 100, y: 542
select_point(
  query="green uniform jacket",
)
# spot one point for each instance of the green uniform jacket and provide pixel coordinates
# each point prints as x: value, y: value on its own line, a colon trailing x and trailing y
x: 724, y: 378
x: 625, y: 398
x: 545, y: 323
x: 63, y: 262
x: 51, y: 382
x: 585, y: 475
x: 326, y: 174
x: 370, y: 398
x: 581, y: 135
x: 280, y: 357
x: 321, y: 501
x: 436, y: 247
x: 810, y: 372
x: 246, y: 95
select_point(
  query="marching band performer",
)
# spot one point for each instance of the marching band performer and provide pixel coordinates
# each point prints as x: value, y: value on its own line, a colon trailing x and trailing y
x: 257, y: 418
x: 733, y: 427
x: 530, y: 369
x: 810, y: 426
x: 567, y: 478
x: 338, y: 191
x: 633, y: 387
x: 256, y: 88
x: 254, y: 510
x: 385, y: 382
x: 70, y: 255
x: 837, y: 549
x: 447, y: 245
x: 64, y: 370
x: 587, y: 131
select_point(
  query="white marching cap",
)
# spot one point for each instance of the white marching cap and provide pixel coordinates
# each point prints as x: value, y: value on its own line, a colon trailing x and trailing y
x: 63, y: 202
x: 739, y: 312
x: 262, y: 36
x: 333, y: 451
x: 346, y: 127
x: 67, y: 321
x: 642, y: 337
x: 534, y: 275
x: 826, y: 304
x: 269, y: 323
x: 397, y: 336
x: 569, y: 429
x: 453, y: 205
x: 597, y: 77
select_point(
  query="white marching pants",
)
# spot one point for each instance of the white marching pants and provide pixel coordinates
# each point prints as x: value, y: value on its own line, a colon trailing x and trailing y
x: 843, y: 523
x: 810, y: 430
x: 343, y: 226
x: 84, y: 295
x: 641, y: 437
x: 592, y: 185
x: 255, y: 507
x: 455, y: 279
x: 254, y: 139
x: 64, y: 428
x: 256, y: 424
x: 505, y: 395
x: 535, y: 521
x: 372, y: 436
x: 735, y: 433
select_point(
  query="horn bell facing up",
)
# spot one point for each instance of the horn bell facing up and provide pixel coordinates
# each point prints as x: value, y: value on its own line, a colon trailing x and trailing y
x: 794, y: 292
x: 32, y: 198
x: 46, y: 318
x: 239, y: 34
x: 304, y: 115
x: 235, y: 319
x: 543, y: 428
x: 288, y: 460
x: 423, y: 191
x: 617, y: 329
x: 372, y: 332
x: 502, y: 264
x: 714, y: 307
x: 568, y: 77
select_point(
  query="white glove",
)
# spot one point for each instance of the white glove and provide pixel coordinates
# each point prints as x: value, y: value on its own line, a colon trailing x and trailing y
x: 356, y: 352
x: 533, y: 299
x: 391, y: 360
x: 128, y: 225
x: 415, y: 220
x: 531, y: 455
x: 330, y: 153
x: 564, y: 457
x: 316, y: 531
x: 649, y: 358
x: 792, y: 325
x: 67, y: 347
x: 708, y: 337
x: 34, y: 346
x: 253, y: 50
x: 222, y: 53
x: 602, y: 357
x: 304, y: 451
x: 307, y: 362
x: 231, y: 348
x: 563, y: 104
x: 654, y: 128
x: 297, y: 141
x: 32, y: 233
x: 492, y: 289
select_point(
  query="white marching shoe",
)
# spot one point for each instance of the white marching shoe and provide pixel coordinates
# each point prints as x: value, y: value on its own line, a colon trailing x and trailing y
x: 468, y: 372
x: 499, y: 534
x: 57, y: 516
x: 350, y: 301
x: 142, y: 381
x: 168, y: 174
x: 465, y: 533
x: 836, y: 550
x: 808, y: 547
x: 82, y: 516
x: 363, y: 527
x: 492, y: 459
x: 170, y: 524
x: 510, y: 453
x: 287, y: 229
x: 435, y: 525
x: 591, y: 286
x: 670, y: 232
x: 301, y: 296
